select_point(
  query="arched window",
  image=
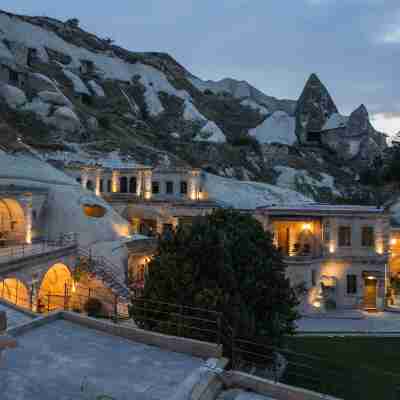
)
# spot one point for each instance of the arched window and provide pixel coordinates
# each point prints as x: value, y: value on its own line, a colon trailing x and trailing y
x: 132, y: 185
x: 89, y: 185
x: 123, y: 184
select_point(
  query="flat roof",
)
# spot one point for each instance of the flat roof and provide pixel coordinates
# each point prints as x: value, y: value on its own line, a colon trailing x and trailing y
x: 58, y: 359
x: 322, y: 209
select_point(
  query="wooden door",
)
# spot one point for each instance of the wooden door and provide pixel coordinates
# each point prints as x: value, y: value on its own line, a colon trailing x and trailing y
x: 370, y: 294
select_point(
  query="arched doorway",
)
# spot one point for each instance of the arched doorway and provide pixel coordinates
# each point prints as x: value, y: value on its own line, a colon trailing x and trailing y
x: 123, y: 184
x: 15, y: 291
x: 12, y: 222
x: 53, y: 288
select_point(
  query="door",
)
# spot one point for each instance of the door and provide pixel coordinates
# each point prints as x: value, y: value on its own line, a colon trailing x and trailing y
x: 370, y: 294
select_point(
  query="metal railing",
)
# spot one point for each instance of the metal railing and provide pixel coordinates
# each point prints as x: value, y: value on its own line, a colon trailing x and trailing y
x: 10, y: 251
x: 105, y: 270
x: 253, y: 356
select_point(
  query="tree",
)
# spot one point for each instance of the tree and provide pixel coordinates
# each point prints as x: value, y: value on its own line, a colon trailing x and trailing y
x: 226, y: 261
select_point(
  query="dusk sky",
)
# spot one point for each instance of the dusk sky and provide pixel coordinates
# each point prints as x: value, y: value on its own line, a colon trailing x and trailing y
x: 353, y: 45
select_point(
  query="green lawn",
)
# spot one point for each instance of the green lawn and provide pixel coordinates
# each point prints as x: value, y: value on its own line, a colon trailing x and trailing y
x: 356, y: 368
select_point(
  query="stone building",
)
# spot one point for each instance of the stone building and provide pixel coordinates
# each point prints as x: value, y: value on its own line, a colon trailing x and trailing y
x: 153, y: 200
x: 339, y: 254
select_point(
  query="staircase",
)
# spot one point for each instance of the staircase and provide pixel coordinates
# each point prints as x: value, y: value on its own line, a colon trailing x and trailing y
x: 105, y: 270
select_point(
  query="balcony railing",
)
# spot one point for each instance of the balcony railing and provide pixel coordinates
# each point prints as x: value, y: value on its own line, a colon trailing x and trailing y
x: 10, y: 251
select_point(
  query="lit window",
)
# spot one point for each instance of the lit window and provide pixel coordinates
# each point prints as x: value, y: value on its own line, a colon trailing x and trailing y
x: 344, y: 236
x: 94, y: 210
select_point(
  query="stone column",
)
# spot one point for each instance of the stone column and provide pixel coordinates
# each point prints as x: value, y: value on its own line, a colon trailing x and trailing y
x: 84, y: 178
x: 26, y: 204
x: 98, y: 178
x: 115, y: 181
x: 194, y: 185
x: 147, y: 175
x: 139, y: 184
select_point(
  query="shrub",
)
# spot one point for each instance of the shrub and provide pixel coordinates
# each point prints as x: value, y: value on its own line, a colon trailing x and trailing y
x: 93, y: 307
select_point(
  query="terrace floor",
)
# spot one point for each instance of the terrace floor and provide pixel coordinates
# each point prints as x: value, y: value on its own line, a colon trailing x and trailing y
x: 62, y: 360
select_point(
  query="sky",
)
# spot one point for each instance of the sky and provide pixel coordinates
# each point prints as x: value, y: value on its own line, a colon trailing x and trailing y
x: 352, y: 45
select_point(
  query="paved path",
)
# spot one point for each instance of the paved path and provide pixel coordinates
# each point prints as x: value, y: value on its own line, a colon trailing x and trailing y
x: 14, y: 317
x: 379, y: 323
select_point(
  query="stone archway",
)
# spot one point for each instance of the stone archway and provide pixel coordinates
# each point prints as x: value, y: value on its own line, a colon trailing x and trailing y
x: 12, y: 221
x: 15, y: 291
x: 53, y: 287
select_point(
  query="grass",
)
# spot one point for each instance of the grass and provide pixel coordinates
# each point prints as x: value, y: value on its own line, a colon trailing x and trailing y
x: 365, y: 368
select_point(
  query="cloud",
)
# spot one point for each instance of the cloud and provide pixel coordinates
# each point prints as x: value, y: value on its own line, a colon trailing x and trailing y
x: 391, y: 35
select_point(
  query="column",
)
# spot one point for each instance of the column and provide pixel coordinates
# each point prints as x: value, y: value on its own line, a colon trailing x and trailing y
x: 84, y: 178
x: 139, y: 184
x: 26, y: 204
x: 194, y: 185
x: 98, y: 178
x: 115, y: 181
x: 147, y: 175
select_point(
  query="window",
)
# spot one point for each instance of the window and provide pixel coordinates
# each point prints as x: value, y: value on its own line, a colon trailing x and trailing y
x: 169, y: 187
x: 132, y: 185
x: 351, y: 284
x: 326, y: 232
x: 184, y: 187
x: 344, y: 236
x: 155, y: 187
x: 123, y: 184
x: 89, y: 185
x: 101, y: 186
x: 109, y: 186
x: 34, y: 215
x: 313, y: 277
x: 367, y: 236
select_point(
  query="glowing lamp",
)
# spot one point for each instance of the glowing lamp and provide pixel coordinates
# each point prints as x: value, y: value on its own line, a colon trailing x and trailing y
x: 306, y: 227
x: 73, y: 287
x: 371, y: 278
x: 393, y: 241
x: 331, y: 248
x: 317, y: 304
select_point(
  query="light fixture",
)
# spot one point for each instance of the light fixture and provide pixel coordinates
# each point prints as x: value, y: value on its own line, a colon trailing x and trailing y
x: 371, y: 278
x: 317, y: 304
x: 306, y: 227
x: 393, y: 241
x: 331, y: 248
x: 73, y: 287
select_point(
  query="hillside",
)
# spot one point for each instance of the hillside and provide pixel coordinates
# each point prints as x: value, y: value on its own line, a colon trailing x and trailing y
x: 75, y: 97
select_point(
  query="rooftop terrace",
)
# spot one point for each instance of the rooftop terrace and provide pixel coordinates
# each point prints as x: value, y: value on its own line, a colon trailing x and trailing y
x: 60, y: 359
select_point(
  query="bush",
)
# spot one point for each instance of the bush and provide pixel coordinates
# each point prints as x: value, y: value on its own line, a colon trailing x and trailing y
x: 93, y: 307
